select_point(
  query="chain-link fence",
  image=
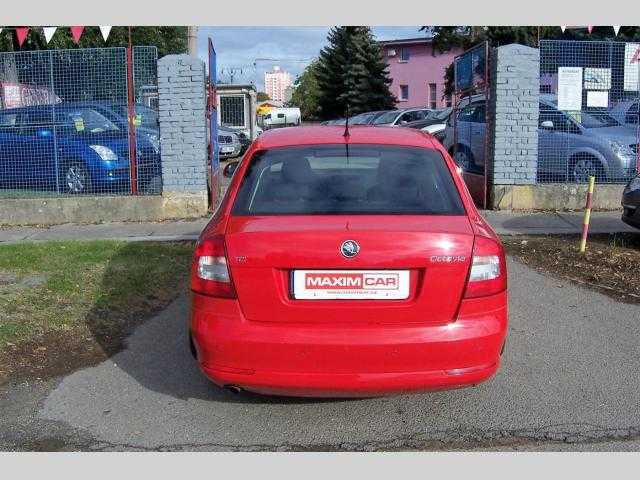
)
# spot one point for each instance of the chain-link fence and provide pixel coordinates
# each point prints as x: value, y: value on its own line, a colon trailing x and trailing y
x: 589, y: 102
x: 72, y: 120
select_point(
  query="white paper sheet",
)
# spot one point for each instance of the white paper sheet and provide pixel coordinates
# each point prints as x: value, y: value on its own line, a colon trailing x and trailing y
x: 598, y: 99
x: 570, y: 88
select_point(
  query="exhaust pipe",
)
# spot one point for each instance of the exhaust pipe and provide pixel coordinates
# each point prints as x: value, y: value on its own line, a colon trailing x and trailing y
x: 233, y: 389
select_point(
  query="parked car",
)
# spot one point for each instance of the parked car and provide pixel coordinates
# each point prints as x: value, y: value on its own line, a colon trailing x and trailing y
x: 366, y: 118
x: 410, y: 296
x: 282, y: 117
x: 435, y: 123
x: 400, y: 117
x: 229, y: 143
x: 626, y: 113
x: 85, y: 148
x: 569, y: 147
x: 631, y: 202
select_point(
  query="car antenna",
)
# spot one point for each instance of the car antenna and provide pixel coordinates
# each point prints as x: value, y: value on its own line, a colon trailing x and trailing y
x: 346, y: 122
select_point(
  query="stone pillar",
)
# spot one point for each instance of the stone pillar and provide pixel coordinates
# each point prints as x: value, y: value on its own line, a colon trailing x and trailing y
x: 183, y: 130
x: 513, y: 125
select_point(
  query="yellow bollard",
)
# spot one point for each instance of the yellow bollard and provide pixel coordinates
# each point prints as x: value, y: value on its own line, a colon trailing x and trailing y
x: 587, y: 215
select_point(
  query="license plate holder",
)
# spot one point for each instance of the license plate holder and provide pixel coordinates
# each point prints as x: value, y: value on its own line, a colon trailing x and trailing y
x: 350, y: 284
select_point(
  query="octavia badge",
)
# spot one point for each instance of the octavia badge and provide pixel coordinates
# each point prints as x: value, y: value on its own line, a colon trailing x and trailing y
x: 349, y: 248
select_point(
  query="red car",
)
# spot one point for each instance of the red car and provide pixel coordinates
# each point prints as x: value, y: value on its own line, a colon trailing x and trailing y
x: 347, y: 265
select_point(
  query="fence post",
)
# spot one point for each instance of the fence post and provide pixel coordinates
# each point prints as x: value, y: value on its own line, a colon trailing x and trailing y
x: 53, y: 123
x: 513, y: 139
x: 133, y: 161
x: 183, y: 128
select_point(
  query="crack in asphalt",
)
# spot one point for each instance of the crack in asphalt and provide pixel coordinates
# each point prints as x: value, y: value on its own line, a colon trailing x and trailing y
x: 569, y: 434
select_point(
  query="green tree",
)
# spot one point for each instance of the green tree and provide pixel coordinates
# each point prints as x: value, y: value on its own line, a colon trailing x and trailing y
x: 306, y: 93
x: 351, y: 74
x: 262, y: 96
x: 168, y: 40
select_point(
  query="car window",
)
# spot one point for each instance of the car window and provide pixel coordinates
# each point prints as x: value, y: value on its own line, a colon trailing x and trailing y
x: 387, y: 117
x: 561, y: 123
x: 405, y: 118
x: 147, y: 116
x: 85, y: 120
x: 366, y: 179
x: 361, y: 119
x: 597, y: 119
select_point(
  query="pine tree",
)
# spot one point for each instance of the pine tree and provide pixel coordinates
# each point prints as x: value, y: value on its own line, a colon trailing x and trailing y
x: 352, y: 75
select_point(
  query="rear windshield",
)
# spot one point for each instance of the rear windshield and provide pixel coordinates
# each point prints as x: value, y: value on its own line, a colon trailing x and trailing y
x: 365, y: 179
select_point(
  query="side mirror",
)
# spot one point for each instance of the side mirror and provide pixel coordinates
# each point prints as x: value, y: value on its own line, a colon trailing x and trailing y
x: 547, y: 125
x: 230, y: 169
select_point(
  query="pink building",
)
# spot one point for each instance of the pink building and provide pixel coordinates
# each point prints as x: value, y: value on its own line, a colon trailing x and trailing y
x: 276, y: 83
x: 417, y: 71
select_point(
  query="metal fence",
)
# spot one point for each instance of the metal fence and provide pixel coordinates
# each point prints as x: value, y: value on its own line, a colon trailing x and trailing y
x: 467, y: 140
x: 588, y: 118
x: 71, y: 121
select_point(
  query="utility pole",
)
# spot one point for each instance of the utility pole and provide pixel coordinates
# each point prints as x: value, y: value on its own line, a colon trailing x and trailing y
x: 192, y: 34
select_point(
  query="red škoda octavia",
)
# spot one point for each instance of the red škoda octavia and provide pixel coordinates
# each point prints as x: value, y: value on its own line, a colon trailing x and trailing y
x: 347, y: 265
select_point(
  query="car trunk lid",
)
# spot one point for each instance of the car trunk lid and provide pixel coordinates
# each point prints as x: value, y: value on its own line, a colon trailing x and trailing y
x: 264, y: 251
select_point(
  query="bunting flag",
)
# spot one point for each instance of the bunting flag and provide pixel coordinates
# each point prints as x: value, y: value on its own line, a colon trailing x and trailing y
x: 105, y: 30
x: 589, y: 28
x: 76, y: 33
x: 48, y: 33
x: 563, y: 28
x: 616, y: 28
x: 21, y: 33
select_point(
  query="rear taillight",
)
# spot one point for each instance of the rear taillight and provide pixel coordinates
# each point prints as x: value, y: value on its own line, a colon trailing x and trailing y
x: 209, y: 271
x: 488, y: 273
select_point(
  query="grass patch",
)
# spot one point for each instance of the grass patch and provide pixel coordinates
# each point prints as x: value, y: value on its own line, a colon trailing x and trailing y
x: 82, y: 297
x: 610, y: 264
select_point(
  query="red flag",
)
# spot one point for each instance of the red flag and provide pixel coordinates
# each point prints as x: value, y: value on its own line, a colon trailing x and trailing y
x: 76, y: 33
x: 21, y: 33
x: 589, y: 28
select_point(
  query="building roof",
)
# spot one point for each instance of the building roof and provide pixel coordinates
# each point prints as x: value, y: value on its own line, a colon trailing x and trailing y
x: 334, y: 135
x: 407, y: 41
x: 234, y: 86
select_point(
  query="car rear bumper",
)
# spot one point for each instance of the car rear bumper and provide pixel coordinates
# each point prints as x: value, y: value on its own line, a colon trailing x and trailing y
x: 332, y: 360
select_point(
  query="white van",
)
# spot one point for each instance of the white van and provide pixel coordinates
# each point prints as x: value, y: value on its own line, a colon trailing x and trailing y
x: 282, y: 117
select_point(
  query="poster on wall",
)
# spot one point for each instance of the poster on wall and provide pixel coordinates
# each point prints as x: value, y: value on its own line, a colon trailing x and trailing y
x: 570, y: 88
x: 631, y: 66
x: 597, y: 78
x: 598, y: 99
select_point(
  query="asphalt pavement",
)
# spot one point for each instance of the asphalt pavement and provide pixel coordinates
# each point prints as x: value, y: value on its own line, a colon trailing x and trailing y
x: 569, y: 381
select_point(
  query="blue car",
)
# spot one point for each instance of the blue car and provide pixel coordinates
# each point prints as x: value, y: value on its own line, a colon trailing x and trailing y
x: 84, y: 149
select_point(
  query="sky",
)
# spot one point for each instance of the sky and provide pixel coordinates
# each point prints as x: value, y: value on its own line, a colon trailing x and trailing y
x: 240, y: 50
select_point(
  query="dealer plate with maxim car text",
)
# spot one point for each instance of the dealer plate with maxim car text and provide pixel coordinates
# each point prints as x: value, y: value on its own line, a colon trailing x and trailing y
x: 351, y: 284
